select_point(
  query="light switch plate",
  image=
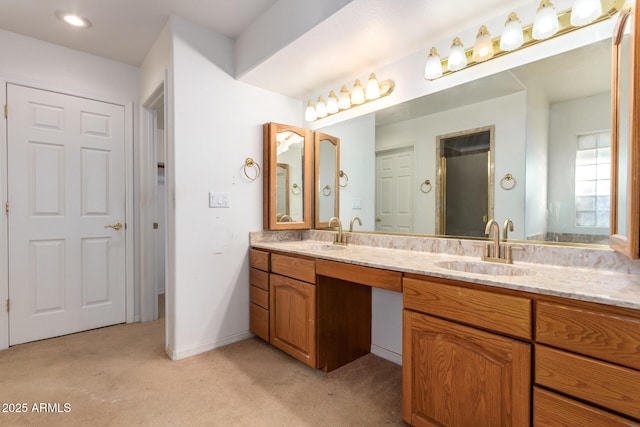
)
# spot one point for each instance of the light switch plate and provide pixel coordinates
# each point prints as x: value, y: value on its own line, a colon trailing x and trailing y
x: 356, y: 204
x: 218, y: 199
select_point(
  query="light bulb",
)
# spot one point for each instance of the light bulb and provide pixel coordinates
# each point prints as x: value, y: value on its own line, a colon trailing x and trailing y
x: 546, y: 22
x: 357, y: 95
x: 373, y: 88
x: 585, y: 12
x: 433, y: 67
x: 310, y: 112
x: 321, y: 108
x: 483, y: 49
x: 457, y: 57
x: 344, y: 99
x: 332, y: 103
x: 512, y: 37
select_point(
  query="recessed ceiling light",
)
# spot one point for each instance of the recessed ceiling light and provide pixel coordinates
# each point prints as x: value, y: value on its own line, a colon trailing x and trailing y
x: 73, y: 19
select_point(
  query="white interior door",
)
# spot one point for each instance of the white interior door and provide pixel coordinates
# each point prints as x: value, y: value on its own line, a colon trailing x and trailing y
x: 395, y: 191
x: 66, y: 184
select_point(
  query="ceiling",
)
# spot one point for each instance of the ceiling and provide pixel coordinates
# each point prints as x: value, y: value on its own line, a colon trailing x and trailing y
x: 361, y: 36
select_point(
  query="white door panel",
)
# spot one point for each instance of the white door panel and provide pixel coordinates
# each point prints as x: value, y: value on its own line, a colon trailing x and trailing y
x: 395, y: 191
x: 66, y: 183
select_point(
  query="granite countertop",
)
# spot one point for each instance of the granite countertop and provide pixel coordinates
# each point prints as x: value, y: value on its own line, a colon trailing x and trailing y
x: 586, y: 284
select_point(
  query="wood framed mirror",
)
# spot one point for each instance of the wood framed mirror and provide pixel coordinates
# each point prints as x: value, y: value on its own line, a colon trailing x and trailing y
x: 288, y: 177
x: 625, y: 144
x: 327, y: 187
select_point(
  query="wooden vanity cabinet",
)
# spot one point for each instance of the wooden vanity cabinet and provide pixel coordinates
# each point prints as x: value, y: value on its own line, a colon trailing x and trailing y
x: 292, y: 302
x: 591, y: 355
x: 458, y: 367
x: 259, y: 262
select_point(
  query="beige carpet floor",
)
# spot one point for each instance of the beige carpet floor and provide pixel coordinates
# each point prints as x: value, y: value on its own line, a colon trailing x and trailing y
x: 120, y: 376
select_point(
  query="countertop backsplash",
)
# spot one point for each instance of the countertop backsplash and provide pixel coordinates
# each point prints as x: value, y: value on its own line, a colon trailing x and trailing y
x: 600, y: 258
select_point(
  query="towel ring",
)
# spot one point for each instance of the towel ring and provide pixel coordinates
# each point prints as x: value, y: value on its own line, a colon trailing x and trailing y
x: 508, y: 182
x: 342, y: 174
x: 327, y: 190
x: 250, y: 163
x: 425, y: 187
x: 295, y: 189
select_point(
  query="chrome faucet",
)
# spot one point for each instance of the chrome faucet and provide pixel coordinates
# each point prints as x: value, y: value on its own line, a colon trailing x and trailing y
x: 354, y: 219
x: 339, y: 240
x: 493, y: 225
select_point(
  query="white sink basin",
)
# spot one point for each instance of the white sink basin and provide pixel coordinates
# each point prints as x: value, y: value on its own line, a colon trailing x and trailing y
x: 482, y: 267
x: 324, y: 247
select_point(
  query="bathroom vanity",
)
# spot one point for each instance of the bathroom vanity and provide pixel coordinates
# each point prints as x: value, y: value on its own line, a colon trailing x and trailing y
x: 523, y: 344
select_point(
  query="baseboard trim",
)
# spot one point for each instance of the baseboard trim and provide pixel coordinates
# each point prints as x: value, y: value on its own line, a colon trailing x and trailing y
x: 389, y: 355
x: 206, y: 346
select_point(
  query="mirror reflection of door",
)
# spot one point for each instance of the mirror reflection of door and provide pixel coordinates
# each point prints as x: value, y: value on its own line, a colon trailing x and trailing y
x: 282, y: 194
x: 465, y: 177
x: 395, y: 188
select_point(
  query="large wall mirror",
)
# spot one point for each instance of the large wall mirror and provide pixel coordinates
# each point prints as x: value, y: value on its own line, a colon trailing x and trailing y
x: 288, y: 153
x: 551, y: 122
x: 327, y: 187
x: 625, y: 210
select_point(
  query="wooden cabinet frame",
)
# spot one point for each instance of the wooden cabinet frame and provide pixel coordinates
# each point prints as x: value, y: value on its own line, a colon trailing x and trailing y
x: 270, y: 161
x: 629, y: 243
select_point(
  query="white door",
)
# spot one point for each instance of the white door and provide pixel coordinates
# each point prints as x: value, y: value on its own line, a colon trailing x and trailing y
x: 66, y: 176
x: 394, y: 191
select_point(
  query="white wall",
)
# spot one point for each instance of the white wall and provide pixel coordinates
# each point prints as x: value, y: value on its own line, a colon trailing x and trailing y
x: 49, y: 66
x: 569, y: 119
x: 507, y: 113
x: 537, y: 155
x: 217, y: 123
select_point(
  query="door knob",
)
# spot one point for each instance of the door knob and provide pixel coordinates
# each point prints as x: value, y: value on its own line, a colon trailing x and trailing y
x: 117, y: 226
x: 378, y: 219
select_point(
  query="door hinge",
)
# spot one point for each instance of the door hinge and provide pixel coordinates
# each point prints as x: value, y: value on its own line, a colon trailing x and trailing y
x: 8, y: 305
x: 6, y: 208
x: 6, y: 111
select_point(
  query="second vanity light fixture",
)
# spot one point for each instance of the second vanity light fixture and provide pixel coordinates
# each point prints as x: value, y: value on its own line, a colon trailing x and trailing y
x: 547, y: 23
x: 359, y: 95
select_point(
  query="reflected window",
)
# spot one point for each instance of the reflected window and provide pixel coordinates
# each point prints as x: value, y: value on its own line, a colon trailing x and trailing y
x: 593, y: 179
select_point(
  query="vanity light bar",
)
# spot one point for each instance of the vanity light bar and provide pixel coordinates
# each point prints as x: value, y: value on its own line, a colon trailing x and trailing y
x: 347, y: 100
x: 610, y: 8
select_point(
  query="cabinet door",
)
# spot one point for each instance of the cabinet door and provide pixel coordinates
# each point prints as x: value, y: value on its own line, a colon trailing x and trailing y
x: 293, y: 318
x: 454, y: 375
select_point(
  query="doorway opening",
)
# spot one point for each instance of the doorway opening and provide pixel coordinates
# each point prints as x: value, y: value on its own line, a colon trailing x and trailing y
x: 464, y: 202
x: 153, y: 172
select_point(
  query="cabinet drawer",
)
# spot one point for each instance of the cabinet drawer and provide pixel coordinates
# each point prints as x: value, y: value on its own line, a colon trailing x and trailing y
x: 507, y: 314
x: 298, y: 268
x: 259, y: 278
x: 259, y: 296
x: 369, y: 276
x: 552, y: 410
x: 615, y: 338
x: 604, y: 384
x: 259, y: 321
x: 259, y: 259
